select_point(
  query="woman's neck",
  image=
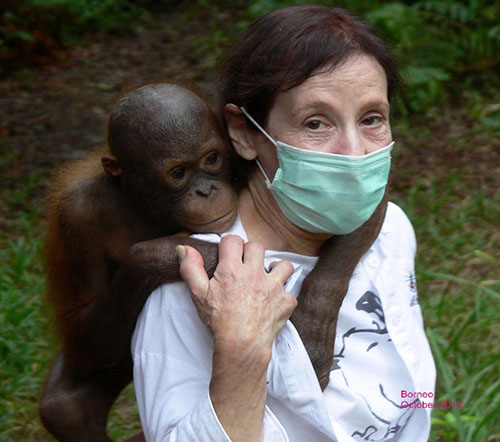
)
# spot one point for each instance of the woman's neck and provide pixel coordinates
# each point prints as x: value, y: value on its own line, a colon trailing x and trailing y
x: 264, y: 221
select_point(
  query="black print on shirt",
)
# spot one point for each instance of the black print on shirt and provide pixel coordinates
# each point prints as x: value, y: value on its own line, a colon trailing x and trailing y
x: 370, y: 432
x: 412, y: 285
x: 412, y: 281
x: 370, y: 303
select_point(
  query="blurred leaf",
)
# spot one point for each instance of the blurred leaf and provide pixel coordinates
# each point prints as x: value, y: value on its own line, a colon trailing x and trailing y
x: 23, y: 35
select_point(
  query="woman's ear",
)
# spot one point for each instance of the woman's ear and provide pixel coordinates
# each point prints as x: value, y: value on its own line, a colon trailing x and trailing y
x: 110, y: 165
x: 241, y: 135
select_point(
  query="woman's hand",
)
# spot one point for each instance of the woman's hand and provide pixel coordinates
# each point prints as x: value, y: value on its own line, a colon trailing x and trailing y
x: 242, y: 304
x: 245, y: 308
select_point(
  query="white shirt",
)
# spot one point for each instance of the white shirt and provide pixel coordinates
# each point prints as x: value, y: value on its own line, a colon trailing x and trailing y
x: 380, y: 350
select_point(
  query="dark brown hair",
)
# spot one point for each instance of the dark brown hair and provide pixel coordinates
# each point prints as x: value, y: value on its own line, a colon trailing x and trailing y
x: 285, y: 47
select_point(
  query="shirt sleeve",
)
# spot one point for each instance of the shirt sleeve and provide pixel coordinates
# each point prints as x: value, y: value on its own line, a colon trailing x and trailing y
x: 172, y: 352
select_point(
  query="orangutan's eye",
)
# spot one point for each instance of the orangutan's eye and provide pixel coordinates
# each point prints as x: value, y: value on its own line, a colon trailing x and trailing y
x: 178, y: 173
x: 212, y: 159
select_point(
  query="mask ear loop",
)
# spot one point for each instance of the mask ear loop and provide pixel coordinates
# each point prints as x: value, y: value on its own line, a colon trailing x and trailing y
x: 257, y: 125
x: 268, y: 181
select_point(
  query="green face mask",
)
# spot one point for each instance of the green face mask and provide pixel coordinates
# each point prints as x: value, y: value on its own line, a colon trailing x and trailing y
x: 325, y: 192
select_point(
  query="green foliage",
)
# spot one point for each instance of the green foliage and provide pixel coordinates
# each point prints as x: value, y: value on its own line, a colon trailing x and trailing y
x: 440, y: 43
x: 27, y: 340
x: 455, y: 216
x: 27, y: 344
x: 36, y: 32
x: 23, y: 347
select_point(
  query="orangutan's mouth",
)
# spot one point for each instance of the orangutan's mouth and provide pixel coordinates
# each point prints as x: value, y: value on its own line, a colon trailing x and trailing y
x: 218, y: 225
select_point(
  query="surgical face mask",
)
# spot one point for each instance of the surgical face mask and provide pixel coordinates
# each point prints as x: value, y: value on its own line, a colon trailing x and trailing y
x: 325, y: 192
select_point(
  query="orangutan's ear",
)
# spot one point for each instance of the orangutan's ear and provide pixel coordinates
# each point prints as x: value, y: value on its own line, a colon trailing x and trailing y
x: 111, y: 165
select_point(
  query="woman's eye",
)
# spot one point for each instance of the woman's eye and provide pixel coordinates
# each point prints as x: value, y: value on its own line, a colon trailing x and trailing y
x: 313, y: 124
x: 212, y: 159
x: 178, y: 173
x: 372, y: 120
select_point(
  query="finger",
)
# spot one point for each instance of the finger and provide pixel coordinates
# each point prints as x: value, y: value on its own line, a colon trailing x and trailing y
x: 192, y: 269
x: 286, y: 305
x: 291, y: 304
x: 253, y: 254
x: 230, y: 250
x: 281, y: 271
x: 273, y: 264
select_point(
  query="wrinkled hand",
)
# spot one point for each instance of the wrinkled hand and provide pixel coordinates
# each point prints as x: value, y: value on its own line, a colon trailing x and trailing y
x: 243, y: 306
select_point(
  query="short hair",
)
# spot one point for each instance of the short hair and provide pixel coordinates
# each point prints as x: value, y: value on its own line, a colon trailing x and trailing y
x: 285, y: 47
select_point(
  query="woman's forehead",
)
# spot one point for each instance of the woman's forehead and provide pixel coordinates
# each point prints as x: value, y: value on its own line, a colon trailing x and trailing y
x: 360, y: 78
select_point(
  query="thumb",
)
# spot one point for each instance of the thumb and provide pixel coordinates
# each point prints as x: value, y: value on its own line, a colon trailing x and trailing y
x: 192, y: 269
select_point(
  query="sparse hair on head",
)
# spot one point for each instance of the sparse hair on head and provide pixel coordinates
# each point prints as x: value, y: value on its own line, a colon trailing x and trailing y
x: 153, y: 118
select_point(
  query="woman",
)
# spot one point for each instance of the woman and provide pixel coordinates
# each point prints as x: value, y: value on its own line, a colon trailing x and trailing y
x: 305, y: 97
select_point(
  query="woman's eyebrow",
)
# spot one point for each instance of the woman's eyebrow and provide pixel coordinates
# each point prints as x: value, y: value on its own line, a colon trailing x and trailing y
x: 376, y: 104
x: 382, y: 105
x: 313, y: 106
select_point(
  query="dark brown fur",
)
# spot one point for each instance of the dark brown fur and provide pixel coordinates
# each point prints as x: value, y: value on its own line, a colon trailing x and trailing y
x: 110, y: 244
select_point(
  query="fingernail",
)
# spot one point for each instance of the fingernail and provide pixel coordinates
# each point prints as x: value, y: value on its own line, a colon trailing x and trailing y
x: 181, y: 252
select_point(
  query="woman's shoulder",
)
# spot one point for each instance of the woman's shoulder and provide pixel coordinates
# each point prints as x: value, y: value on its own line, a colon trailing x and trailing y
x: 168, y: 319
x: 397, y: 228
x: 168, y: 303
x: 395, y: 217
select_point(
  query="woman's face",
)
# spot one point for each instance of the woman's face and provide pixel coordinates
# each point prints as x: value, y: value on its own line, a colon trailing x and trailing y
x: 344, y: 111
